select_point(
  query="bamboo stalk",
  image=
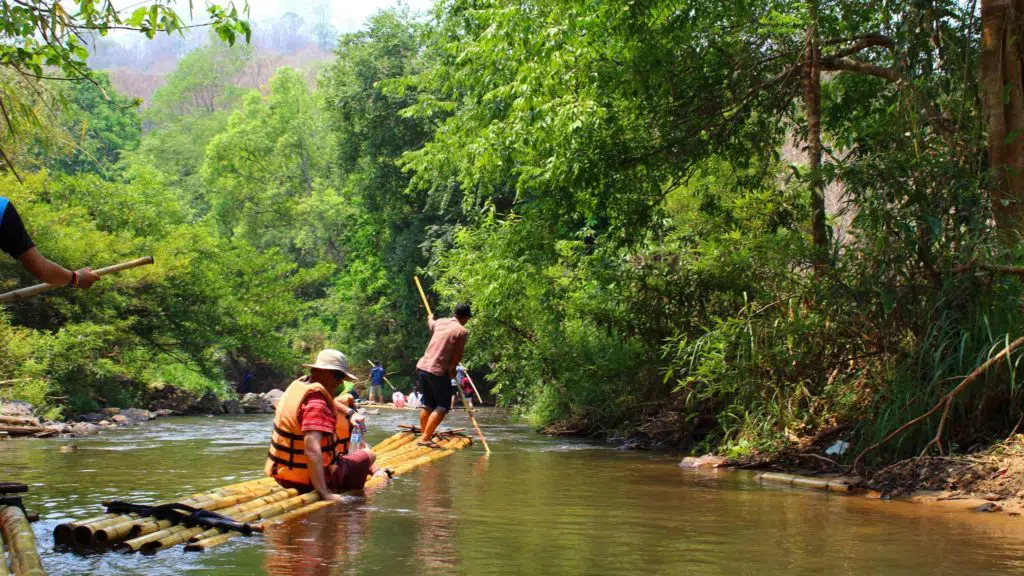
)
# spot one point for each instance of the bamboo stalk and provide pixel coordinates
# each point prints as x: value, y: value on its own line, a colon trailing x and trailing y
x: 149, y: 527
x: 422, y: 295
x: 475, y: 391
x: 62, y: 533
x: 23, y: 293
x: 131, y: 525
x: 184, y: 532
x: 472, y: 418
x: 94, y: 522
x: 21, y: 542
x: 266, y: 512
x: 392, y: 442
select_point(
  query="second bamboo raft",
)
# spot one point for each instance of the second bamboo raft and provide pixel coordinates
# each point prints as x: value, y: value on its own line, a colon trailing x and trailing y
x: 260, y: 503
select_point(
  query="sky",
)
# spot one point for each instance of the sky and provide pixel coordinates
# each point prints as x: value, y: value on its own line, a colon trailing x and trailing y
x: 346, y: 15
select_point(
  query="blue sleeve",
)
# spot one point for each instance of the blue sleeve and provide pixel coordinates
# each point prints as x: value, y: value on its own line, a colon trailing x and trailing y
x: 14, y: 239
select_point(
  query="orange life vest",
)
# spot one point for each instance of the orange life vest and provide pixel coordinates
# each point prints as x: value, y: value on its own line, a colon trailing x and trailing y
x: 342, y: 434
x: 286, y: 459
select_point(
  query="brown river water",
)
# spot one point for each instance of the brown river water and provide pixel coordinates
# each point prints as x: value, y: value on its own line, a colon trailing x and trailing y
x: 537, y: 505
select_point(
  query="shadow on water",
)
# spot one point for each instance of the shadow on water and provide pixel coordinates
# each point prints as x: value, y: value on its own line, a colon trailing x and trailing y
x: 537, y: 505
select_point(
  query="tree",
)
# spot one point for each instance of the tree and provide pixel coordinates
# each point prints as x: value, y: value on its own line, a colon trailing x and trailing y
x: 44, y: 40
x: 1002, y: 82
x: 102, y: 123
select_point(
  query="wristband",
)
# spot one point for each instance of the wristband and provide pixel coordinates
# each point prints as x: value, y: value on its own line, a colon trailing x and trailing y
x: 74, y: 279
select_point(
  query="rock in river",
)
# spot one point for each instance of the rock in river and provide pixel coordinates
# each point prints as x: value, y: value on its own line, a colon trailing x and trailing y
x: 255, y: 404
x: 706, y: 461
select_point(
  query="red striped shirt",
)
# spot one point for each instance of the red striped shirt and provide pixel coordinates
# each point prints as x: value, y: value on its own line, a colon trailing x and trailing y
x: 316, y: 414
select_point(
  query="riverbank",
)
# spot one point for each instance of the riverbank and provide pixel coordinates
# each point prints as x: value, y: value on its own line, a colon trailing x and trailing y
x: 989, y: 480
x: 20, y: 419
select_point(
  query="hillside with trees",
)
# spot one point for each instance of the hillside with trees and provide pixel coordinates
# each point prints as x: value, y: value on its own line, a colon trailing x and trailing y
x: 632, y: 196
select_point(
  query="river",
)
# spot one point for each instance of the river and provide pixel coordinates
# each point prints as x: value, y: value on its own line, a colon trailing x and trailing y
x: 537, y: 505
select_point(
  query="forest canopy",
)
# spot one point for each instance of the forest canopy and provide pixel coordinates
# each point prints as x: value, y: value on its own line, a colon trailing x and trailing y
x: 739, y: 226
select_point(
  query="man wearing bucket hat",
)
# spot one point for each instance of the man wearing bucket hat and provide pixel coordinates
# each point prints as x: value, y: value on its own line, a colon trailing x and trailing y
x: 309, y: 443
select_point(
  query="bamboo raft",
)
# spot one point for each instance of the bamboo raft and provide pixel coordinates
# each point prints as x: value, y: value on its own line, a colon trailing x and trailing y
x: 257, y: 503
x: 17, y: 534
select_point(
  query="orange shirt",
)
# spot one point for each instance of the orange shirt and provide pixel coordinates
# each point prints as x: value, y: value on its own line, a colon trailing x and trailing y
x: 447, y: 343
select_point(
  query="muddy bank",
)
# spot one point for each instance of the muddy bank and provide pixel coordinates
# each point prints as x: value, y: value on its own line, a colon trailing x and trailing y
x: 988, y: 481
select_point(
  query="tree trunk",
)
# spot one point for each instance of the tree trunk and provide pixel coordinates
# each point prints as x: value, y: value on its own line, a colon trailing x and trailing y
x: 1004, y: 109
x: 812, y: 104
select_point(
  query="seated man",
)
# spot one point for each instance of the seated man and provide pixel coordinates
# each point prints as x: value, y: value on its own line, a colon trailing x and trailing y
x: 309, y: 443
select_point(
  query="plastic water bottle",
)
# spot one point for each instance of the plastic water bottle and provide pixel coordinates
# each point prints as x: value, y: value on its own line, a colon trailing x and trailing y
x: 357, y: 435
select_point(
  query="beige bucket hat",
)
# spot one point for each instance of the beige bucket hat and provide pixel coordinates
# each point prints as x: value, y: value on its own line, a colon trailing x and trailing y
x: 332, y: 360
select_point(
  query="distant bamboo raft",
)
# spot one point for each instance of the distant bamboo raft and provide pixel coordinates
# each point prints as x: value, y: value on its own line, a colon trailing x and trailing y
x: 17, y: 534
x: 258, y: 503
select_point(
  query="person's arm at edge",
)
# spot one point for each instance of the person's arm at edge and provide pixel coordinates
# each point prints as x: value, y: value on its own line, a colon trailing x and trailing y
x: 314, y: 459
x: 47, y: 271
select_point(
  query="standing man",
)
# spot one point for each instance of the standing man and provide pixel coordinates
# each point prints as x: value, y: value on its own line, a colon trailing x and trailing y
x: 377, y: 382
x: 436, y: 369
x: 15, y: 241
x: 309, y: 443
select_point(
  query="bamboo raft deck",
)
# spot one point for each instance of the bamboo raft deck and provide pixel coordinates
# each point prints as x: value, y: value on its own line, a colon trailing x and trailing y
x: 17, y: 535
x: 259, y: 503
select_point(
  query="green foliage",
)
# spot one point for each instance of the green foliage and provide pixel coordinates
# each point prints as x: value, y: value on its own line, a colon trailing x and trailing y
x: 617, y: 189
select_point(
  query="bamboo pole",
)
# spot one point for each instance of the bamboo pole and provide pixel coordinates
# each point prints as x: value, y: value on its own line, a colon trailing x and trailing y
x: 23, y: 293
x: 63, y: 533
x: 266, y: 512
x: 472, y: 418
x: 386, y: 443
x: 136, y: 544
x: 21, y: 542
x: 475, y: 391
x: 393, y: 441
x: 131, y: 525
x: 422, y: 295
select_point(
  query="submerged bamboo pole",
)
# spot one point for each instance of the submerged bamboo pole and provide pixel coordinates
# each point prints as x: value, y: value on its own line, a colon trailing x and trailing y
x: 21, y: 542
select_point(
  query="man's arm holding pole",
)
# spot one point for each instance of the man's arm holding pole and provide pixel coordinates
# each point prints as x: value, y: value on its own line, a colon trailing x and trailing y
x: 40, y: 288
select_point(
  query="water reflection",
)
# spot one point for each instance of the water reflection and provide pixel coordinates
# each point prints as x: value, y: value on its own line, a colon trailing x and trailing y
x: 323, y: 544
x: 537, y: 505
x: 437, y: 537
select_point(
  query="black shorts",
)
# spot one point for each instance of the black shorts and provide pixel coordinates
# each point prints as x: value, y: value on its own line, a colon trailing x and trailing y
x: 437, y: 391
